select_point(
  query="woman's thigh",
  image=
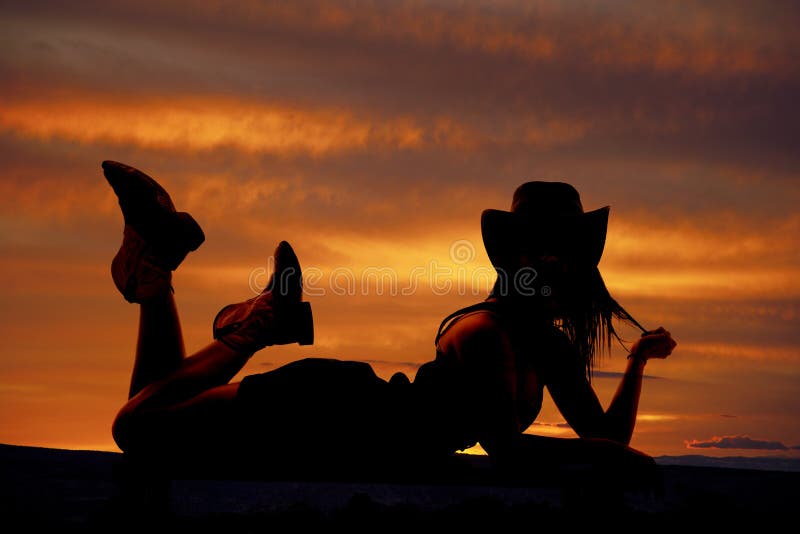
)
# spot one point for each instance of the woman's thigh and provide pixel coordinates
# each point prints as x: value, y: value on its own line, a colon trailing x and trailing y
x: 205, y: 419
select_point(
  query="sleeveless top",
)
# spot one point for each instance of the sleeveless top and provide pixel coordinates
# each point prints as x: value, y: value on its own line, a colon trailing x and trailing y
x: 442, y: 391
x: 443, y: 385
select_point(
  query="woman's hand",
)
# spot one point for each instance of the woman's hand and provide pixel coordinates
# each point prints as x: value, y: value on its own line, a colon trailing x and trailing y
x: 654, y: 344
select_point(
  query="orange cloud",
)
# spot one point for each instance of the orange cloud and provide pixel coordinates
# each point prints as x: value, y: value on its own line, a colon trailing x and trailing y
x: 715, y: 239
x: 691, y: 259
x: 735, y: 442
x: 716, y: 351
x: 197, y: 124
x: 29, y: 195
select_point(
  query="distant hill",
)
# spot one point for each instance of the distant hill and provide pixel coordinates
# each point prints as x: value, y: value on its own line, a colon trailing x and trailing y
x: 761, y: 463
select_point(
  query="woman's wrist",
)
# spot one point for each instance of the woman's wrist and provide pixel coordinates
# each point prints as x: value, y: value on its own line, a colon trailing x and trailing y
x: 637, y: 357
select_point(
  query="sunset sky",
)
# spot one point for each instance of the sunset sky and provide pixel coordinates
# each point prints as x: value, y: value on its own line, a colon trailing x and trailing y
x: 371, y: 135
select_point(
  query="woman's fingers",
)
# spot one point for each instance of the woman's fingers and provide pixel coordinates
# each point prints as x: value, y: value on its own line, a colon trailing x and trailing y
x: 656, y: 344
x: 665, y: 346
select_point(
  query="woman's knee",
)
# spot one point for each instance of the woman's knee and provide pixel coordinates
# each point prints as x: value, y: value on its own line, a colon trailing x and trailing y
x: 121, y: 430
x: 131, y: 428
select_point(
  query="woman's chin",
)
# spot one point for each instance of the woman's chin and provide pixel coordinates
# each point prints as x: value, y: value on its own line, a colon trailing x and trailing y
x: 539, y: 305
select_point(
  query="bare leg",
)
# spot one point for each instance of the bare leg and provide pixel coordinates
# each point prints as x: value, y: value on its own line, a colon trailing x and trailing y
x: 159, y: 349
x: 169, y: 391
x: 165, y: 428
x: 186, y: 397
x: 208, y: 368
x: 166, y: 388
x: 162, y: 373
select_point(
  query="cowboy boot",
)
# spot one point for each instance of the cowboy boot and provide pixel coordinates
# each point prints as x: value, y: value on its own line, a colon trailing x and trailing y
x: 277, y: 316
x: 156, y: 238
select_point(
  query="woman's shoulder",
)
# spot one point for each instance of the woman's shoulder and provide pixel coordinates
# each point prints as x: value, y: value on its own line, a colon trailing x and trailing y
x: 483, y: 319
x: 477, y: 327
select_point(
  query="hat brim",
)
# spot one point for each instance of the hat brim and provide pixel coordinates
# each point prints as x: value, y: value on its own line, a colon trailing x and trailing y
x: 507, y: 234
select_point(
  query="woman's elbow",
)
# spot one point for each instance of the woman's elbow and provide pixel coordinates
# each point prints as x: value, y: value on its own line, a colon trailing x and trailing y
x: 623, y: 438
x: 611, y: 428
x: 606, y: 434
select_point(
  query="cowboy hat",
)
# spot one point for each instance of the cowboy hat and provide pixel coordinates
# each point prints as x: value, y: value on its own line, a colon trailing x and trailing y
x: 545, y: 217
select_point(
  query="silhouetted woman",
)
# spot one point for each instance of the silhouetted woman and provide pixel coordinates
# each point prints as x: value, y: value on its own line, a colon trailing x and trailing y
x: 493, y: 359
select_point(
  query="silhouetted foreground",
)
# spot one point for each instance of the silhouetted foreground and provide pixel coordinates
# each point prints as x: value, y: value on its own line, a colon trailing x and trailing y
x: 485, y: 384
x: 80, y: 490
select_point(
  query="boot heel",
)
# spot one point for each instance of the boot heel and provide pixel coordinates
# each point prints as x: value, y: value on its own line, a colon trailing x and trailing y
x: 192, y: 234
x: 180, y: 234
x: 276, y: 316
x: 305, y: 323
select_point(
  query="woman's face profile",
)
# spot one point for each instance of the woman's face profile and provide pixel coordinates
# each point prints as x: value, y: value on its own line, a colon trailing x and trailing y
x: 554, y: 275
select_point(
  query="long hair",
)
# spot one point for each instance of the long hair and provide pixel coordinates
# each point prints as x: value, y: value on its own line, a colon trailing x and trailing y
x: 587, y: 315
x: 587, y: 318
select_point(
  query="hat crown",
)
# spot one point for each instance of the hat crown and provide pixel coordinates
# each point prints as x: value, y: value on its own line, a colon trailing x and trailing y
x: 546, y: 199
x: 544, y: 215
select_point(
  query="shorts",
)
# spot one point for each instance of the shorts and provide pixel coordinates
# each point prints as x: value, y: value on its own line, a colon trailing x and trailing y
x: 322, y: 406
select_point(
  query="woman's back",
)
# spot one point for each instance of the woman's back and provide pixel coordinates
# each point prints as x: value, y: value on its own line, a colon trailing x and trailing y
x: 454, y: 384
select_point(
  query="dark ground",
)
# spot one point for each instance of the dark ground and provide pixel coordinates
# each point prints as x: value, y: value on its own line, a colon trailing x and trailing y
x: 65, y: 491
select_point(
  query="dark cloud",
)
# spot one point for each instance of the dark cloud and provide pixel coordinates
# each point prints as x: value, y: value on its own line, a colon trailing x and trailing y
x: 736, y: 442
x: 766, y: 323
x: 678, y: 84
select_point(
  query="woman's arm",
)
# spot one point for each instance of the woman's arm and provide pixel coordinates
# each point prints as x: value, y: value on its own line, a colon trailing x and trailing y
x: 578, y: 402
x: 620, y: 418
x: 621, y: 414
